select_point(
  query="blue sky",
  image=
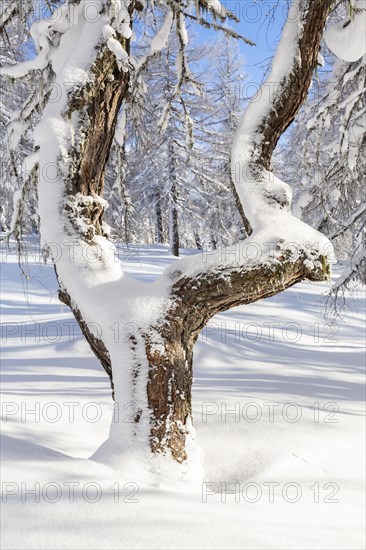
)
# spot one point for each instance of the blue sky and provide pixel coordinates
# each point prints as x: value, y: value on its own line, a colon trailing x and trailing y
x: 261, y: 21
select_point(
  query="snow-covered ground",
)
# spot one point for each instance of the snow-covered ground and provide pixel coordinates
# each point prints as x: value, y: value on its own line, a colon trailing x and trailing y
x: 292, y: 479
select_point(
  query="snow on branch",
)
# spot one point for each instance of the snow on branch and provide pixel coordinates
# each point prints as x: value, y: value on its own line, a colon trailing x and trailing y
x: 217, y: 27
x: 346, y: 38
x: 265, y: 198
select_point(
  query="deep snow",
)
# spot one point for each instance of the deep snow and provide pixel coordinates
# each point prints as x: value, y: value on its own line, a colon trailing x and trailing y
x: 255, y: 360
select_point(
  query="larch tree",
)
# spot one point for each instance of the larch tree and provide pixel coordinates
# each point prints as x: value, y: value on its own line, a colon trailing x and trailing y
x: 221, y: 219
x: 158, y: 154
x: 144, y: 334
x: 16, y: 183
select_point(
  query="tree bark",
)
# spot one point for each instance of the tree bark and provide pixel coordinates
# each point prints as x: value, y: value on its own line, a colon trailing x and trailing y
x: 313, y: 15
x: 196, y: 300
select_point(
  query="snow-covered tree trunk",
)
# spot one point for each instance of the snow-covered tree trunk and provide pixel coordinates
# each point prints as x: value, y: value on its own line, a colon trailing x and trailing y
x: 197, y: 290
x: 144, y: 334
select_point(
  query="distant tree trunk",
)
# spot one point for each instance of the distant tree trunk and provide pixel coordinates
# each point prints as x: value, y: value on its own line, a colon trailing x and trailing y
x: 173, y: 201
x: 124, y: 196
x: 159, y: 220
x: 213, y: 242
x: 197, y: 240
x: 173, y: 222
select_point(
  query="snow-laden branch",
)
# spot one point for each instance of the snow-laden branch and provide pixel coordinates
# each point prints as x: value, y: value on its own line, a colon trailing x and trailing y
x: 265, y: 198
x: 158, y: 42
x: 346, y: 38
x: 43, y: 34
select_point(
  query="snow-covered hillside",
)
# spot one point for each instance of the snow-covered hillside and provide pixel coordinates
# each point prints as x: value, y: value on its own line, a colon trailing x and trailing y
x: 278, y: 402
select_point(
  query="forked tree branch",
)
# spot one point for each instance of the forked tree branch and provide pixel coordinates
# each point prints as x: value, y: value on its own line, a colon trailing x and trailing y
x: 261, y: 127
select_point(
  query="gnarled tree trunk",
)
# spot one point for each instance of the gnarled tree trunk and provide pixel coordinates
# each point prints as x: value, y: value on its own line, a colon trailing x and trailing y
x: 152, y: 364
x: 196, y: 300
